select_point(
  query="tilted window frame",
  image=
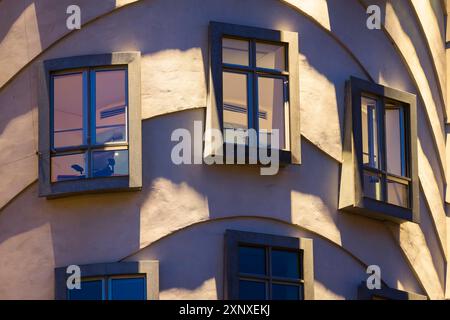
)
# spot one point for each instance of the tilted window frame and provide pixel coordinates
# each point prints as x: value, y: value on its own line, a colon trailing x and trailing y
x: 351, y: 197
x: 386, y: 293
x: 214, y: 116
x: 133, y: 181
x: 234, y: 238
x: 149, y: 269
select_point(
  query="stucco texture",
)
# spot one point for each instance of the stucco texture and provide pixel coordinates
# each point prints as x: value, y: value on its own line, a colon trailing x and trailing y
x: 37, y: 235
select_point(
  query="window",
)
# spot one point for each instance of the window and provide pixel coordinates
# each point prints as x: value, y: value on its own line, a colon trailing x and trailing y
x: 385, y: 138
x: 112, y: 281
x: 268, y: 267
x: 90, y: 124
x: 89, y: 139
x: 254, y: 83
x: 386, y: 293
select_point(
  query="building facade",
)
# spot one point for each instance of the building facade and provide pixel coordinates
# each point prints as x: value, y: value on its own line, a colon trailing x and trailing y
x: 112, y: 168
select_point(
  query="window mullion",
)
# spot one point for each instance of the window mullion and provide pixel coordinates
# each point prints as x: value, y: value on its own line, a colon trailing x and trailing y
x: 91, y: 121
x: 382, y: 146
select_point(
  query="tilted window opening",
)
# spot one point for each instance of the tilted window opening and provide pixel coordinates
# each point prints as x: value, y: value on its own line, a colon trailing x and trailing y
x: 89, y: 123
x: 386, y: 156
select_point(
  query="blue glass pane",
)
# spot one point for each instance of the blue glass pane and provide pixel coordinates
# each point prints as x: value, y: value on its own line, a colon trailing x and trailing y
x: 252, y: 290
x: 252, y: 260
x: 285, y: 292
x: 90, y: 290
x: 285, y: 264
x: 128, y: 289
x: 110, y: 163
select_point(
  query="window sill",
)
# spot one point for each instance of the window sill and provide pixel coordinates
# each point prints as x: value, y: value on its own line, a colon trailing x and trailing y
x: 88, y: 186
x: 284, y: 158
x: 381, y: 211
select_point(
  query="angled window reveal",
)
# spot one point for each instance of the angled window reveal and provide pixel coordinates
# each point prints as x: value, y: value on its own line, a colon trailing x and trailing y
x: 111, y: 281
x: 90, y: 124
x: 268, y: 267
x: 254, y: 85
x: 379, y: 176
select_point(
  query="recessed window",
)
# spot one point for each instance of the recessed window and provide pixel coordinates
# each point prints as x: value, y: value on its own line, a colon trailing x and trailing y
x: 111, y: 281
x: 255, y: 90
x: 384, y: 154
x: 254, y: 98
x: 90, y: 112
x: 268, y: 267
x: 269, y: 273
x: 110, y: 288
x: 90, y: 124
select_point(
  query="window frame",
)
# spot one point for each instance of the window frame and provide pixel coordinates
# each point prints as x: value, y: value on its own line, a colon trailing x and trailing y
x: 352, y: 198
x: 108, y: 271
x: 235, y: 239
x: 88, y: 64
x: 217, y: 31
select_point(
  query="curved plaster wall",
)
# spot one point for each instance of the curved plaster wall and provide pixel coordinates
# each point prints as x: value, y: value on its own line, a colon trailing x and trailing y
x: 172, y: 36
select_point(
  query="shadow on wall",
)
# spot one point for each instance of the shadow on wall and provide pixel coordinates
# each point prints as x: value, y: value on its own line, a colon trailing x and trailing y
x: 195, y: 269
x: 47, y: 20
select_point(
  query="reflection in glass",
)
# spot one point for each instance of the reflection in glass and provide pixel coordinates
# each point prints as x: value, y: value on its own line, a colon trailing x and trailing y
x: 110, y: 106
x: 68, y: 167
x: 370, y: 132
x: 285, y: 264
x: 272, y: 108
x: 68, y: 110
x: 252, y: 290
x: 127, y: 289
x: 372, y: 185
x: 397, y: 194
x: 285, y: 292
x: 90, y: 290
x: 110, y: 163
x: 235, y: 51
x: 395, y: 141
x: 235, y: 106
x: 270, y: 56
x: 252, y: 260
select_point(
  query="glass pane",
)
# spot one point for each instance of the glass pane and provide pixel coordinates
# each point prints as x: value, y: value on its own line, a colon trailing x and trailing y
x: 252, y: 260
x: 69, y: 167
x: 270, y: 56
x: 369, y: 132
x: 285, y: 264
x: 90, y: 290
x: 128, y: 289
x: 110, y: 106
x: 68, y: 110
x: 372, y: 186
x: 272, y: 109
x: 252, y: 290
x: 235, y: 51
x: 395, y: 141
x: 235, y: 107
x: 397, y: 194
x: 286, y: 292
x: 110, y: 163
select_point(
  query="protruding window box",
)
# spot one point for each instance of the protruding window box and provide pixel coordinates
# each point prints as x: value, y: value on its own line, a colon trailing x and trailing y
x: 90, y: 124
x: 379, y: 173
